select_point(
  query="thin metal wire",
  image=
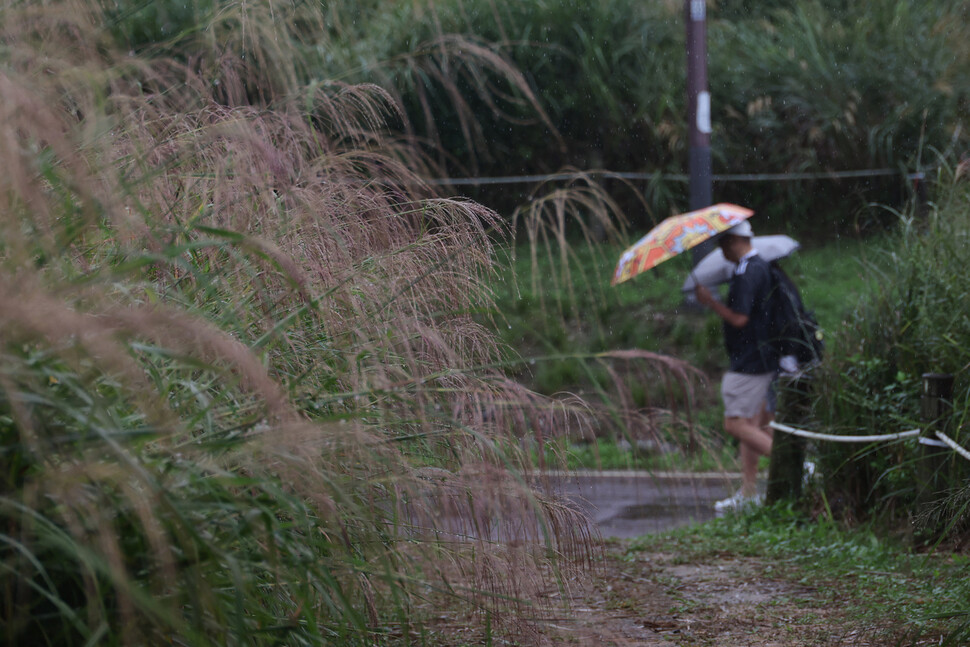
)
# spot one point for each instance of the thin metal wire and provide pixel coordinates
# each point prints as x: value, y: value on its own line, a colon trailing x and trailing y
x: 676, y: 177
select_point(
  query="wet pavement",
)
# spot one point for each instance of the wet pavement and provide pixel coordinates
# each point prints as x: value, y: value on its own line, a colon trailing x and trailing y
x: 628, y: 504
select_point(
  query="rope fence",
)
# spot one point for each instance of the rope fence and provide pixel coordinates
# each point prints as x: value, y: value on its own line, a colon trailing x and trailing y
x: 843, y: 439
x: 944, y: 440
x: 953, y: 445
x: 935, y: 470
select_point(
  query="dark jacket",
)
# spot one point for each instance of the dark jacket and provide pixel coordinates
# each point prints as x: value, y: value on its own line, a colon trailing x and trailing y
x: 748, y: 347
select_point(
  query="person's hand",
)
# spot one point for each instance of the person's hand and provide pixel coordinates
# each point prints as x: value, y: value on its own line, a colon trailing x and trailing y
x: 704, y: 296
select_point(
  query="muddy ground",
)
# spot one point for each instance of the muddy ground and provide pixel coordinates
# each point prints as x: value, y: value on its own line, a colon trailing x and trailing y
x: 656, y: 598
x: 666, y: 596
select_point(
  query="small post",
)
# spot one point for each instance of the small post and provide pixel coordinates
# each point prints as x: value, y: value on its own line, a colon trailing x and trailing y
x: 920, y: 194
x: 936, y: 409
x: 788, y: 451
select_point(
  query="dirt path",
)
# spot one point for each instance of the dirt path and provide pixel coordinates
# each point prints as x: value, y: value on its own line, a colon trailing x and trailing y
x: 656, y: 599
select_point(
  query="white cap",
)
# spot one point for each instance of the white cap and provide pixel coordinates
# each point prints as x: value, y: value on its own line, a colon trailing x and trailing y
x: 742, y: 229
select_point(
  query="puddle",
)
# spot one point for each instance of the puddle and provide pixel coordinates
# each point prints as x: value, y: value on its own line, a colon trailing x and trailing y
x: 656, y: 511
x: 631, y: 504
x: 646, y: 518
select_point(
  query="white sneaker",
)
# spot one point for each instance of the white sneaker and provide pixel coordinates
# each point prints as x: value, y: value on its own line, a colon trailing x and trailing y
x: 808, y: 472
x: 788, y: 365
x: 738, y: 501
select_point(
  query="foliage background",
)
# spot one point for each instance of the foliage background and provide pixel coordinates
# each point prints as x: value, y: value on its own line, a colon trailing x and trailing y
x: 497, y: 89
x: 912, y: 322
x: 249, y: 367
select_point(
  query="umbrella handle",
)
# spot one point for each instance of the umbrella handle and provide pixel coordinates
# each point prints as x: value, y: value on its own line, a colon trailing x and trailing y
x: 693, y: 293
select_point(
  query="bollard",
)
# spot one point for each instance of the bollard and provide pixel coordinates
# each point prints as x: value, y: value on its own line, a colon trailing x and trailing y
x: 936, y: 411
x: 788, y: 451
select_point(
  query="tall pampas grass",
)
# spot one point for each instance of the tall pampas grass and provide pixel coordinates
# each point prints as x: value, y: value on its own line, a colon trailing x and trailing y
x: 244, y: 396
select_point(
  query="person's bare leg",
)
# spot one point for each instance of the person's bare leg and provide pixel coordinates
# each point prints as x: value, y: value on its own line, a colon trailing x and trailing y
x: 765, y: 418
x: 749, y: 433
x: 749, y: 471
x: 755, y: 442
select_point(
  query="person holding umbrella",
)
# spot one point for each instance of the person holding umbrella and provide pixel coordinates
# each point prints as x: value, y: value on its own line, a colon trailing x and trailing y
x: 753, y: 359
x: 747, y: 318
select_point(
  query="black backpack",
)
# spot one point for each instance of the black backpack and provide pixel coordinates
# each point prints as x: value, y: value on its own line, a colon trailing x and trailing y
x: 795, y: 330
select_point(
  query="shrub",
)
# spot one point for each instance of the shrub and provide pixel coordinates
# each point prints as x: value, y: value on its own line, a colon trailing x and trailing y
x: 912, y: 322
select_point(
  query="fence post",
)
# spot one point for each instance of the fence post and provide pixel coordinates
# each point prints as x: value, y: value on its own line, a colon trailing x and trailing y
x: 787, y: 450
x: 920, y: 195
x: 936, y: 409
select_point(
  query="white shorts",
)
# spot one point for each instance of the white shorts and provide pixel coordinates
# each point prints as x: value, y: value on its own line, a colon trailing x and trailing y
x: 744, y: 394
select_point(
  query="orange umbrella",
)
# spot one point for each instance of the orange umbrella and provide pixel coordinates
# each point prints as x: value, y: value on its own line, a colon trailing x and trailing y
x: 677, y: 234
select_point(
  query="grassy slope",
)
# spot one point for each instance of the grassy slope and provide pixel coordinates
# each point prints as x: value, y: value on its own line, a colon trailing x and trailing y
x: 552, y: 314
x: 547, y: 309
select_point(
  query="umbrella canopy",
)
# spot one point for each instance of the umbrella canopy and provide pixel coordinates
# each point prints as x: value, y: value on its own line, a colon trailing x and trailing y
x: 675, y: 235
x: 714, y: 269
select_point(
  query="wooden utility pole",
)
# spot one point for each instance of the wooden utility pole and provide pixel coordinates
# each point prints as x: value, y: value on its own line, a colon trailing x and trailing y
x: 698, y: 114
